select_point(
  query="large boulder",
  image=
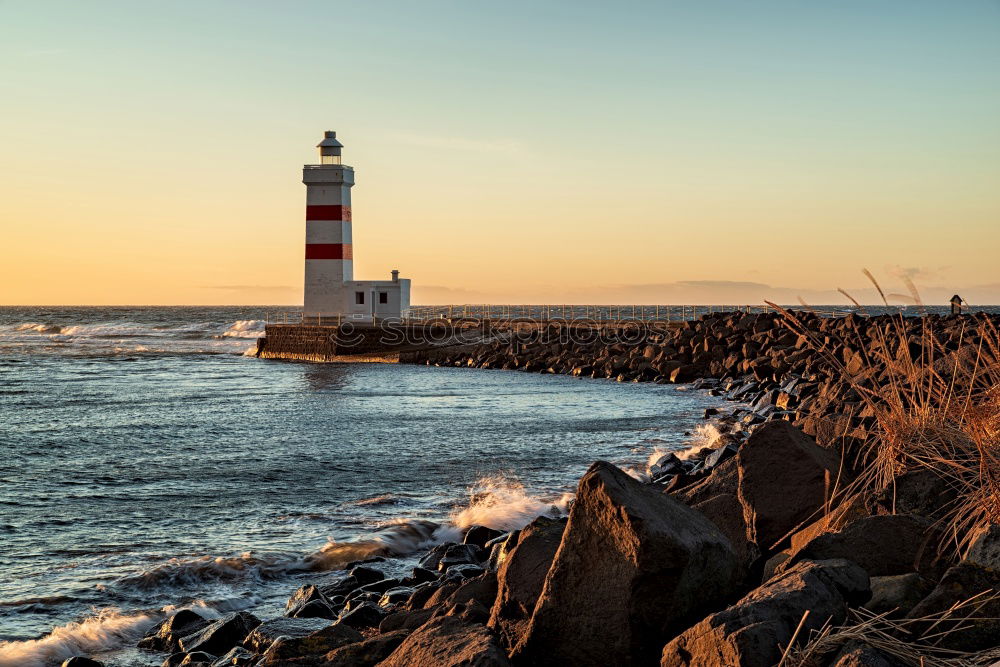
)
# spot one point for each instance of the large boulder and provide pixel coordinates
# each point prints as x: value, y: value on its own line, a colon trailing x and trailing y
x: 883, y: 545
x: 785, y: 479
x: 633, y: 566
x: 221, y: 635
x: 521, y: 576
x: 753, y: 632
x: 858, y: 654
x: 366, y: 653
x: 726, y: 512
x: 984, y: 547
x: 448, y: 641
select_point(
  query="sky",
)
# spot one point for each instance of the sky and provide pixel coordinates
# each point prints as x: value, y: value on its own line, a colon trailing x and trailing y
x: 516, y: 152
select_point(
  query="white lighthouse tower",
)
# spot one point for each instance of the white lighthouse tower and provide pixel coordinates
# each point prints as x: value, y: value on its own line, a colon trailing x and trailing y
x: 330, y: 288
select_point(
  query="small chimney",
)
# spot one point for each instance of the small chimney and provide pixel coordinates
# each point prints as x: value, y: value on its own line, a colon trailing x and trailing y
x: 395, y: 275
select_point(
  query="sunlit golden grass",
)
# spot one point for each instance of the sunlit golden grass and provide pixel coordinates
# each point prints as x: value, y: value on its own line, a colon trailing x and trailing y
x: 934, y: 399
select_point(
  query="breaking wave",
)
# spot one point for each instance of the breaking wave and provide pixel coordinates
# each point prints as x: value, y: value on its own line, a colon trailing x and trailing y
x: 105, y: 631
x: 497, y: 502
x: 245, y: 329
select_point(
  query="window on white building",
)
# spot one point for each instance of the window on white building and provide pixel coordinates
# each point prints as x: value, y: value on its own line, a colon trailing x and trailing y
x: 359, y: 298
x: 383, y: 297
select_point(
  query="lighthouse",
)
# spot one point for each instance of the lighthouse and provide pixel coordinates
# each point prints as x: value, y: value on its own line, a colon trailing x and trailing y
x: 330, y: 288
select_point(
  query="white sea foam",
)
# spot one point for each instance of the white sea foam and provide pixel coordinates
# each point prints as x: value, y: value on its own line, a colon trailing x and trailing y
x: 245, y: 329
x: 502, y: 503
x: 105, y: 631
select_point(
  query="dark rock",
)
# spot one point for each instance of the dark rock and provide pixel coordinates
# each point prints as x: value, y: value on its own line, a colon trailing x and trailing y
x: 754, y: 631
x: 521, y: 576
x: 858, y: 654
x: 726, y: 512
x: 365, y: 615
x: 267, y: 632
x: 464, y: 571
x: 882, y: 545
x: 480, y: 535
x: 433, y: 557
x: 315, y: 644
x: 315, y: 609
x: 166, y: 636
x: 421, y: 574
x: 197, y: 659
x: 406, y: 620
x: 448, y: 641
x: 221, y: 635
x: 984, y: 549
x: 395, y: 595
x: 367, y: 653
x: 900, y: 592
x: 958, y: 584
x: 785, y: 480
x: 633, y: 565
x: 81, y: 661
x: 303, y: 596
x: 237, y: 657
x: 922, y: 492
x: 460, y: 554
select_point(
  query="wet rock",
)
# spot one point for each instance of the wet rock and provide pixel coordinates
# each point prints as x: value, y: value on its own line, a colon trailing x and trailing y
x: 898, y: 593
x: 81, y: 661
x: 303, y: 596
x: 267, y: 632
x: 316, y: 644
x: 315, y: 609
x: 197, y: 659
x: 460, y: 554
x: 464, y: 571
x: 166, y: 636
x: 237, y: 657
x: 865, y: 541
x: 448, y: 641
x: 367, y: 653
x: 422, y: 574
x: 753, y: 632
x: 221, y: 635
x: 357, y: 577
x: 785, y: 479
x: 480, y: 535
x: 633, y: 565
x: 365, y: 615
x: 395, y: 596
x: 433, y: 557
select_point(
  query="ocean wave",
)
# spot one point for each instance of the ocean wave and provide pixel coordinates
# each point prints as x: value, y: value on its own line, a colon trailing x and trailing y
x: 108, y: 629
x: 497, y: 502
x: 245, y: 329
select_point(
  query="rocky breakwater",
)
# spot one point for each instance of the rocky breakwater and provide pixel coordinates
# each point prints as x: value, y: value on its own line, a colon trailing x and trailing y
x: 846, y: 518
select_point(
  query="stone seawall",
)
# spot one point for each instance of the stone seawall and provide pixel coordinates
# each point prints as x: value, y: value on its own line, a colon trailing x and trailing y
x: 382, y: 342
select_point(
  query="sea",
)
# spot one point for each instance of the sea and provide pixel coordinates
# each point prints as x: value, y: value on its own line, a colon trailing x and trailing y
x: 149, y: 462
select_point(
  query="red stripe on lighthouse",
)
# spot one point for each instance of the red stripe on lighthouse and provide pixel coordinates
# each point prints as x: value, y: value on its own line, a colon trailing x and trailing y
x: 328, y: 212
x: 329, y: 251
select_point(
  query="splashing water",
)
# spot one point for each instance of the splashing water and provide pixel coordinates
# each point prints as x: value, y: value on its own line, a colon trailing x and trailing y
x: 502, y: 503
x: 105, y: 631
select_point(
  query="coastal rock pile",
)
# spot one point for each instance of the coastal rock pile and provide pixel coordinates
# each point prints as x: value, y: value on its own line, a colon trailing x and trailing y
x: 751, y: 552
